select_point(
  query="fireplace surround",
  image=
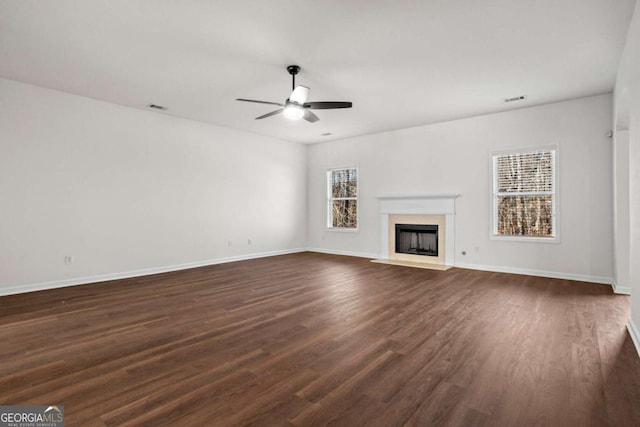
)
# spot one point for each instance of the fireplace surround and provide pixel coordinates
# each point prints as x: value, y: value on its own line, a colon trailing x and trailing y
x: 418, y: 210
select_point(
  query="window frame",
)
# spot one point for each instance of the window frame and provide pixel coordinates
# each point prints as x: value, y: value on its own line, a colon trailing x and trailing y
x: 330, y: 199
x: 493, y: 214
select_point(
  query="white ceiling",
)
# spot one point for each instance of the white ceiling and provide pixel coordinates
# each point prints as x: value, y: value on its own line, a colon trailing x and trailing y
x: 402, y: 63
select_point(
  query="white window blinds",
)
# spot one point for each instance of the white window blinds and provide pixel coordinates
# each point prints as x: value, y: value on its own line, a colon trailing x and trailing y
x: 524, y: 194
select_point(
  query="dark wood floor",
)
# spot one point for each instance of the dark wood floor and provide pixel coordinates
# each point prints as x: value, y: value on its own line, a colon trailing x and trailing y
x: 311, y: 339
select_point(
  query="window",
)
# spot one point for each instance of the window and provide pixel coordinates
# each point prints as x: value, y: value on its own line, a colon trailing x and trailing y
x: 342, y: 205
x: 524, y: 194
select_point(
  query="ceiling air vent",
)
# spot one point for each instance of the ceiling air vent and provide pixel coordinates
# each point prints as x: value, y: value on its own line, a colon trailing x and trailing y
x: 515, y: 98
x: 325, y: 134
x: 157, y: 107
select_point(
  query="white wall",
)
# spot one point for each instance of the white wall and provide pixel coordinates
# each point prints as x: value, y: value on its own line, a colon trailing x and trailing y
x: 621, y: 209
x: 453, y: 158
x: 122, y: 190
x: 627, y: 123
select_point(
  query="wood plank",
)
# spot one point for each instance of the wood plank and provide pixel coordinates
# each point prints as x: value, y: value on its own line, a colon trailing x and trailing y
x: 316, y: 339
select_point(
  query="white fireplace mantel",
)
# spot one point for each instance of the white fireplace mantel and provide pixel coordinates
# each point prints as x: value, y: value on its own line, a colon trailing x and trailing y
x: 419, y: 205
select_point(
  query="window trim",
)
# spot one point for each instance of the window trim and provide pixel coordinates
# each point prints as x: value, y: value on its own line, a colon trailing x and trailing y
x: 328, y: 200
x: 556, y: 195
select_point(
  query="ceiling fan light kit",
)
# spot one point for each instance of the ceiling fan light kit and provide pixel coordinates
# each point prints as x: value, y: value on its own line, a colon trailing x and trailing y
x: 293, y: 111
x: 296, y: 106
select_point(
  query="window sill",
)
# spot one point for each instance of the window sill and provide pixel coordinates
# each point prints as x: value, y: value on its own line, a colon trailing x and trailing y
x: 552, y: 240
x: 342, y: 230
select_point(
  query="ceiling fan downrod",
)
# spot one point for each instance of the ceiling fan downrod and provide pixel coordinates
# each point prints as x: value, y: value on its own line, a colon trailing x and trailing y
x: 293, y: 70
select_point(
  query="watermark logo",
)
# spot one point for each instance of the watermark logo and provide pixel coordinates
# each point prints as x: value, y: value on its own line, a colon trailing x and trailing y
x: 32, y: 416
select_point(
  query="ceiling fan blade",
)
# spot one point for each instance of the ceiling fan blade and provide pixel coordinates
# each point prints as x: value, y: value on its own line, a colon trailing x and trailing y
x: 309, y: 116
x: 299, y: 95
x: 327, y: 105
x: 273, y: 113
x: 260, y: 102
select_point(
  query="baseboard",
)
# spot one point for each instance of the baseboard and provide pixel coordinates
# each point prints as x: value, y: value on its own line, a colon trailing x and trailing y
x: 635, y: 335
x: 137, y: 273
x: 541, y: 273
x: 623, y: 290
x: 524, y: 271
x: 346, y: 253
x: 148, y: 271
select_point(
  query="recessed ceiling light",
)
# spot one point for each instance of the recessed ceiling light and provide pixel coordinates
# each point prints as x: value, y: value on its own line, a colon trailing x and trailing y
x: 515, y: 98
x: 157, y: 107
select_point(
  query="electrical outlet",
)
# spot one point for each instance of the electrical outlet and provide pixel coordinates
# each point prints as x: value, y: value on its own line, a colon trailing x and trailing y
x: 229, y: 243
x: 68, y: 259
x: 249, y: 242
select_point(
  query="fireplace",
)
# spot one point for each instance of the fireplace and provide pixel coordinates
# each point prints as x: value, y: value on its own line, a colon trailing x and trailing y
x: 417, y: 239
x: 427, y: 247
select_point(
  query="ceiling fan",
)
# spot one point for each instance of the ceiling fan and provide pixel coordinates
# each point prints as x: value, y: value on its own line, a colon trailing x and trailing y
x: 296, y: 106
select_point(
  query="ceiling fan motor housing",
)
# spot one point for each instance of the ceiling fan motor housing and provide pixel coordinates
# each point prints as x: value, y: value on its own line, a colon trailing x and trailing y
x: 293, y: 69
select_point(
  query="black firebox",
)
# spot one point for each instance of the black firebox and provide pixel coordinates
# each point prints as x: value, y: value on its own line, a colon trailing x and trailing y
x: 417, y: 239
